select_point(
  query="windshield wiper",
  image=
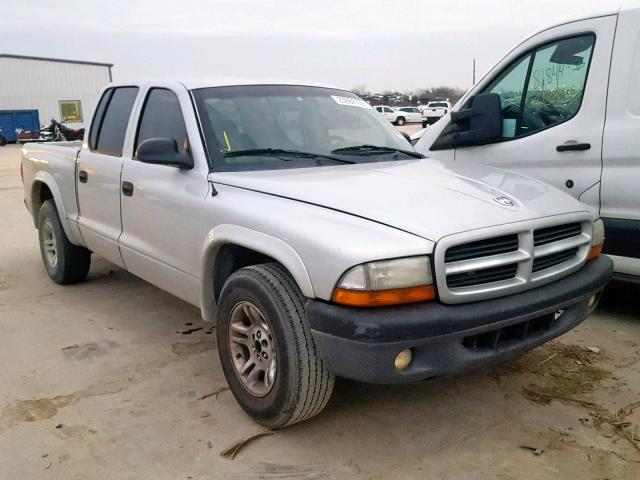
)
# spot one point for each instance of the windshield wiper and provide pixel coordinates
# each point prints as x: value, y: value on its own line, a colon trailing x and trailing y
x: 282, y: 153
x: 374, y: 150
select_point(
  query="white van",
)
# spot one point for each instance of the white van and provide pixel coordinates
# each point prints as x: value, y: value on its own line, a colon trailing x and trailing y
x: 563, y: 106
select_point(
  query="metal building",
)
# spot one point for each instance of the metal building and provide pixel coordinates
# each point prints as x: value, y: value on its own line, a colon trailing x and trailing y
x: 66, y: 90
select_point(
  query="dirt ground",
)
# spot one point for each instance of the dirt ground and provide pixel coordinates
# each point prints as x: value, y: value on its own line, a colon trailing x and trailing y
x: 112, y: 379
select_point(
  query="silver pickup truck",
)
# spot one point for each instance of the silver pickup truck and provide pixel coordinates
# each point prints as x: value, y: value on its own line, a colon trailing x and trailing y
x: 316, y: 238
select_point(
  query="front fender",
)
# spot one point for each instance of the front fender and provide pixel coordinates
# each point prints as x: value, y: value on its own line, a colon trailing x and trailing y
x: 258, y: 241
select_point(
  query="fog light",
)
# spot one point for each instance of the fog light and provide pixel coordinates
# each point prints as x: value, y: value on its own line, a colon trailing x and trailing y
x: 403, y: 359
x: 592, y: 301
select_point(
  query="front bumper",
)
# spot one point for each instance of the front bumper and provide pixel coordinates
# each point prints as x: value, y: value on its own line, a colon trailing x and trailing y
x: 361, y: 343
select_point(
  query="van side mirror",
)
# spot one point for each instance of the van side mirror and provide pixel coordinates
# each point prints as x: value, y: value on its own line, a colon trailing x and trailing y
x: 163, y: 151
x: 478, y: 123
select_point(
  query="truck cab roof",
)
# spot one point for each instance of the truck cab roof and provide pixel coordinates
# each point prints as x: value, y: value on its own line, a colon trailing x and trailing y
x: 221, y: 81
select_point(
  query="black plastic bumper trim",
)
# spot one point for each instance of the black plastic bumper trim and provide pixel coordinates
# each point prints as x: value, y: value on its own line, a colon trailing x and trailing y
x: 361, y: 343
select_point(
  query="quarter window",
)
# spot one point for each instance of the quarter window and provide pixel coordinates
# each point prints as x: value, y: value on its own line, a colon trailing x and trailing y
x: 544, y: 88
x: 162, y: 118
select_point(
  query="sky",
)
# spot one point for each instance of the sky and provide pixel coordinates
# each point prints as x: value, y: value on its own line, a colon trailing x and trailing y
x: 382, y: 44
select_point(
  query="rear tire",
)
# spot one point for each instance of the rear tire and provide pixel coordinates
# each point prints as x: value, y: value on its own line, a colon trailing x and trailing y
x: 400, y: 121
x: 64, y: 262
x: 300, y: 385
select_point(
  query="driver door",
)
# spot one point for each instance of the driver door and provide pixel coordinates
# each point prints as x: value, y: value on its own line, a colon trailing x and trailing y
x: 553, y: 94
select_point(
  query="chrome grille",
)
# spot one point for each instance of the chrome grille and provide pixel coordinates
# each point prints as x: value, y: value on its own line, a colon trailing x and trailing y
x: 489, y: 263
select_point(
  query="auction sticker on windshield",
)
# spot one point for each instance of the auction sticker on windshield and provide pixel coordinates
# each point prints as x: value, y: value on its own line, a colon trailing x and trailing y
x: 352, y: 102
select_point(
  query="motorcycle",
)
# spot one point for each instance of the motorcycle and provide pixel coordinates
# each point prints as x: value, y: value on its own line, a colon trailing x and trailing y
x: 54, y: 132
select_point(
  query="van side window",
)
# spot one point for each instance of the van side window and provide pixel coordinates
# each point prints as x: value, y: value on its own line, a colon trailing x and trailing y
x: 162, y: 118
x: 544, y: 88
x: 113, y: 126
x: 510, y: 86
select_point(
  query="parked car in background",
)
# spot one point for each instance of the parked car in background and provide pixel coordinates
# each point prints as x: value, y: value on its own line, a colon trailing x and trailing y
x: 573, y: 121
x: 411, y: 114
x: 434, y: 111
x: 395, y: 117
x: 316, y: 238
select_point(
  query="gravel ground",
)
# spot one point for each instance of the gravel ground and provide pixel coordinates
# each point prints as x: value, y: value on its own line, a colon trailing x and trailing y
x: 112, y: 379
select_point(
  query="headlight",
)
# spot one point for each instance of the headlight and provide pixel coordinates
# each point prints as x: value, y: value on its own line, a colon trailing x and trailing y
x: 386, y: 282
x: 597, y: 240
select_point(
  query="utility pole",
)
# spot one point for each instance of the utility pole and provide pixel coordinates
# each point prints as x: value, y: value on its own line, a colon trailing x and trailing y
x: 474, y: 70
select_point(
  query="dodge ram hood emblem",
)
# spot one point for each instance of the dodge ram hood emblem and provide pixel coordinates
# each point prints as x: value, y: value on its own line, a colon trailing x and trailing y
x: 504, y: 201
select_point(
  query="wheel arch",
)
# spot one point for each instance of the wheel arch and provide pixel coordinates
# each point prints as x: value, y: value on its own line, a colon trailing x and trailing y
x: 231, y: 247
x: 44, y: 188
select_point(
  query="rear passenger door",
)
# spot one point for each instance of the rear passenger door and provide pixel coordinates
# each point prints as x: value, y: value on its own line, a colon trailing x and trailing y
x: 98, y: 173
x: 162, y: 227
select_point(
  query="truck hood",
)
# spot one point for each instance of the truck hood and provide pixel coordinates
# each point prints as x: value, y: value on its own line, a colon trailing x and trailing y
x: 425, y: 197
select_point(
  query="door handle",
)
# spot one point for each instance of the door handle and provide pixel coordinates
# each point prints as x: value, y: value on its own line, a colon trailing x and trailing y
x: 575, y: 147
x: 83, y: 176
x: 127, y: 189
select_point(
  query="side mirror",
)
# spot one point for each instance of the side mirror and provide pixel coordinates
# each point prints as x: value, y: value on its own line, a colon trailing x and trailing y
x: 163, y: 151
x: 478, y: 123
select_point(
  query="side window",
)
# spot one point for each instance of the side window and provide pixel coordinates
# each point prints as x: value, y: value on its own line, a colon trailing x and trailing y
x: 162, y: 118
x: 510, y: 86
x: 544, y: 88
x: 97, y: 118
x: 113, y: 126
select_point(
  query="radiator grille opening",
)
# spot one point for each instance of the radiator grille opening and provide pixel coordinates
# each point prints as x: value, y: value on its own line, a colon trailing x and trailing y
x: 543, y: 236
x: 478, y: 277
x: 553, y: 259
x: 482, y: 248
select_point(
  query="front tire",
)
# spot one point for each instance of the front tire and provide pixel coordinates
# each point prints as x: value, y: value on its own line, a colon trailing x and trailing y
x: 400, y: 121
x: 64, y: 262
x: 266, y: 349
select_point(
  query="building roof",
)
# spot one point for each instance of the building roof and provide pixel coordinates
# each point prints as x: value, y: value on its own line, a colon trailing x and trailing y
x: 61, y: 60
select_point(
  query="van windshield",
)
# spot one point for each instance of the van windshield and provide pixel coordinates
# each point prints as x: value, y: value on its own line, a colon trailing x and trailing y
x: 264, y: 127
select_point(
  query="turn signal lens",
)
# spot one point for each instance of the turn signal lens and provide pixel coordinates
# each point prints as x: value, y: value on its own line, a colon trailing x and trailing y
x: 597, y: 240
x: 595, y: 251
x: 383, y: 298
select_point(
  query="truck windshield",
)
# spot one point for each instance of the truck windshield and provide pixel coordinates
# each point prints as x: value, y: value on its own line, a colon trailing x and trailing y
x: 267, y: 127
